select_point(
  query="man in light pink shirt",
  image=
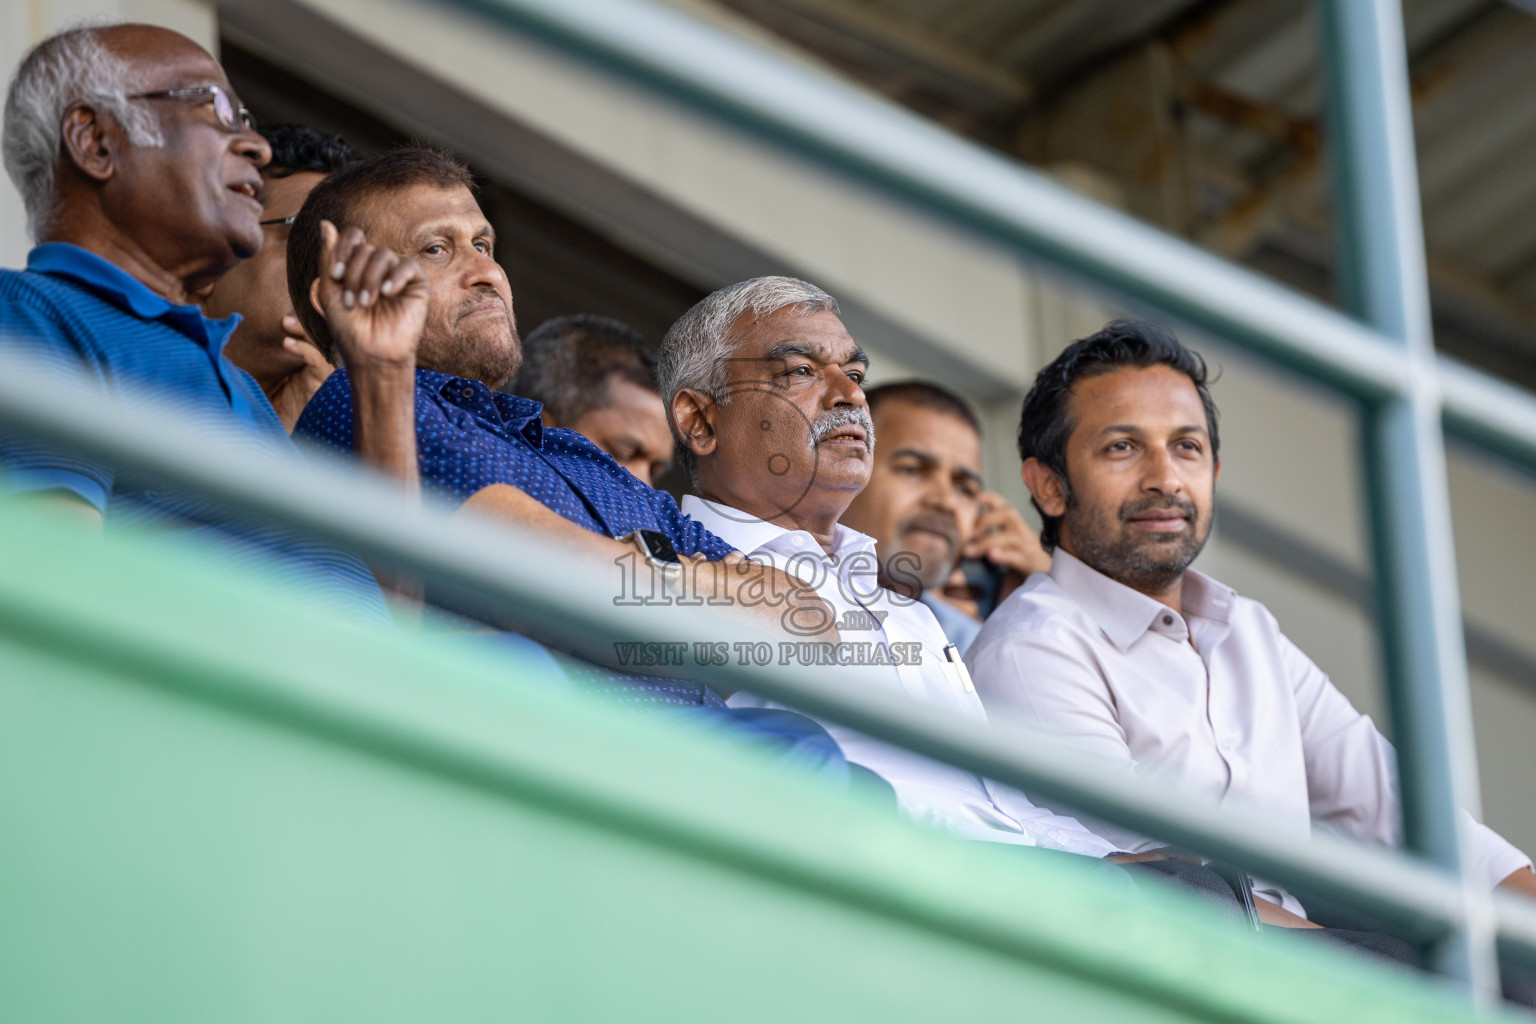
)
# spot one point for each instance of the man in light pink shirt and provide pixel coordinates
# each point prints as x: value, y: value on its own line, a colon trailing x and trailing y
x: 1125, y: 652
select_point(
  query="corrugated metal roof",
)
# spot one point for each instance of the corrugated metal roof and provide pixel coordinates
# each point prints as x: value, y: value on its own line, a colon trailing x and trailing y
x: 1205, y: 117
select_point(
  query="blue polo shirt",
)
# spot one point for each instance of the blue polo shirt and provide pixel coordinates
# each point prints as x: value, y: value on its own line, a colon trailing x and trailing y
x: 469, y: 437
x: 98, y: 326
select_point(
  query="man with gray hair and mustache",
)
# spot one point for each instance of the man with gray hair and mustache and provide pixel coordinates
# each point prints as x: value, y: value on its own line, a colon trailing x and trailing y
x: 764, y: 388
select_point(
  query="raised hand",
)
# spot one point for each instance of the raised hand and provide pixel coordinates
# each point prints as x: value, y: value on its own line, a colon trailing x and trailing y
x: 374, y: 301
x: 375, y: 306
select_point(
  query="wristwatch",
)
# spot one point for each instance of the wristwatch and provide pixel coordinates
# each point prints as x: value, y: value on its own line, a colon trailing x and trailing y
x: 658, y: 551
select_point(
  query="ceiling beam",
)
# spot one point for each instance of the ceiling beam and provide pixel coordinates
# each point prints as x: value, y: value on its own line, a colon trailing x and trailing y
x: 939, y: 64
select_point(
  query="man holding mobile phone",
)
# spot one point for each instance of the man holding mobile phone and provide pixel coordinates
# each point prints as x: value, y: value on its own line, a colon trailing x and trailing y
x: 940, y: 535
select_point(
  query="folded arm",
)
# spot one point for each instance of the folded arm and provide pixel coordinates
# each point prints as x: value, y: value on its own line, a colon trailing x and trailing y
x: 774, y: 600
x: 1352, y: 777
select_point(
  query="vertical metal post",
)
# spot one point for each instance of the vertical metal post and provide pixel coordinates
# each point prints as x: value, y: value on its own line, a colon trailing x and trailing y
x: 1382, y: 277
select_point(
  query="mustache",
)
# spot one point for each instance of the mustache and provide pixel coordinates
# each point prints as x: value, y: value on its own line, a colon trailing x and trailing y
x: 1174, y: 503
x: 474, y: 302
x: 852, y: 415
x: 934, y: 522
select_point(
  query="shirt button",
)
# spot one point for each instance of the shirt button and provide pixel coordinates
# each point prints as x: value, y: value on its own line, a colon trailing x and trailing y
x: 467, y: 393
x: 1167, y: 620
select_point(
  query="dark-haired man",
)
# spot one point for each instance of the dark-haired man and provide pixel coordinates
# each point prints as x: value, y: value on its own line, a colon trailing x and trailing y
x: 484, y: 451
x: 597, y: 376
x: 270, y: 344
x: 1126, y: 652
x: 928, y: 509
x: 140, y: 173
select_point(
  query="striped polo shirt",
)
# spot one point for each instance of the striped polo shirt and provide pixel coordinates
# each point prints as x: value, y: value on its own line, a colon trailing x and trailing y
x: 74, y: 313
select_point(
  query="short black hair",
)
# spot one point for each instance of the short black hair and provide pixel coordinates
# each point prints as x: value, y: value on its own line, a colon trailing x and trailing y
x: 1045, y: 423
x: 339, y: 199
x: 925, y: 395
x: 570, y: 361
x: 298, y: 148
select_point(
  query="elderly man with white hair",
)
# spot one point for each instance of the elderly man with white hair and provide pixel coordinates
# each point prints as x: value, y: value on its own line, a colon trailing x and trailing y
x: 763, y: 384
x: 140, y: 173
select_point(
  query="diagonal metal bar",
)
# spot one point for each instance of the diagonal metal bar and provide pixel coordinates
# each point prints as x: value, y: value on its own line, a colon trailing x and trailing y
x: 1490, y: 414
x: 1396, y: 381
x: 840, y: 126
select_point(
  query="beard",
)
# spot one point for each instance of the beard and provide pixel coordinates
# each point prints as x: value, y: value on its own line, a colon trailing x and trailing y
x: 488, y: 350
x: 1149, y: 563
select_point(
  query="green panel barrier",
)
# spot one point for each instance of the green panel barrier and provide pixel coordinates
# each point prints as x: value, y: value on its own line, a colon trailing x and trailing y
x: 219, y: 805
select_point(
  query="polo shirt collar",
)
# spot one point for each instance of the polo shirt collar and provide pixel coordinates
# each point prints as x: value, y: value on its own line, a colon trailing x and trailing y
x: 747, y: 533
x: 116, y: 285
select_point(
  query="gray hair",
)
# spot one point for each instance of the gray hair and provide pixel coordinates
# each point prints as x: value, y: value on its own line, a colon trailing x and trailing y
x: 73, y: 66
x: 697, y: 349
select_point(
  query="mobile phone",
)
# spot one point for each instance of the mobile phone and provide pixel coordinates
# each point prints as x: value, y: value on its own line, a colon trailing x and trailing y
x: 985, y: 581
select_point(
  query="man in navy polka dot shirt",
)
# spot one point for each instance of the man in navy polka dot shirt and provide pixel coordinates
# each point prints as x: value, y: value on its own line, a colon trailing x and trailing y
x: 481, y: 450
x: 475, y: 444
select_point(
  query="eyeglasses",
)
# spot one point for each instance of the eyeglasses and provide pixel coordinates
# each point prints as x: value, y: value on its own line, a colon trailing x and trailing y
x: 232, y: 116
x: 279, y: 220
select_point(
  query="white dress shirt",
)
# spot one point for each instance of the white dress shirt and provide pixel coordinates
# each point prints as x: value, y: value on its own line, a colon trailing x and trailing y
x: 1217, y: 701
x: 927, y: 790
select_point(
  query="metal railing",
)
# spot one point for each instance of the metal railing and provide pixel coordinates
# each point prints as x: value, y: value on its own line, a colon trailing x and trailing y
x: 1383, y: 357
x: 1404, y: 395
x: 1384, y: 281
x: 497, y: 570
